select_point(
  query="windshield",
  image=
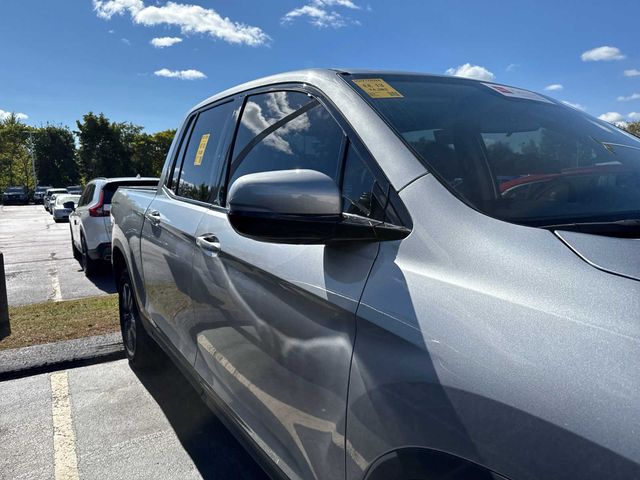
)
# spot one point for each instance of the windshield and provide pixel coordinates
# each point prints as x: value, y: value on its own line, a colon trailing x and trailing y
x: 15, y: 190
x: 510, y: 153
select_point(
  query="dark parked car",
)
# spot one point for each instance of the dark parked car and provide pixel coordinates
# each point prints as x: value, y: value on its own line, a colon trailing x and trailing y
x: 15, y: 196
x: 330, y: 257
x: 74, y: 190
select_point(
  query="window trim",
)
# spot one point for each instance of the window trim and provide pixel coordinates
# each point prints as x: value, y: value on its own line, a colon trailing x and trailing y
x: 351, y: 138
x: 193, y: 119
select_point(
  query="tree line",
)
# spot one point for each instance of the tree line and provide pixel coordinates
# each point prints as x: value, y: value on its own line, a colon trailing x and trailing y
x: 60, y: 157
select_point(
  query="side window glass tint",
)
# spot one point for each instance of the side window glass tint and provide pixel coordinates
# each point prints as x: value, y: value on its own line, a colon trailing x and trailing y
x: 172, y: 176
x: 87, y: 195
x: 199, y: 176
x: 82, y: 197
x: 361, y: 193
x: 286, y: 130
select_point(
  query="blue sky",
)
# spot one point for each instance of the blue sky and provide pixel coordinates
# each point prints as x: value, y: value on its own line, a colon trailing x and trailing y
x: 62, y: 58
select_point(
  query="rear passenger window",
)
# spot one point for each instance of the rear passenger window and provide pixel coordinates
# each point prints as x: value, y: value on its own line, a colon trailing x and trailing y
x: 87, y: 195
x: 286, y: 130
x: 199, y: 175
x: 174, y: 174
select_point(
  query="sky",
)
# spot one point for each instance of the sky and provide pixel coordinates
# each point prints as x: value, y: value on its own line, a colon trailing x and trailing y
x: 149, y: 61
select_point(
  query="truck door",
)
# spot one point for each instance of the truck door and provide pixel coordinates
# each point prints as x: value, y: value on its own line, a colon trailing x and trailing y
x: 168, y: 234
x: 275, y: 323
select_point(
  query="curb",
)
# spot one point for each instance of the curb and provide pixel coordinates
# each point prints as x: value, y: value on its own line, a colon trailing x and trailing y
x: 26, y: 361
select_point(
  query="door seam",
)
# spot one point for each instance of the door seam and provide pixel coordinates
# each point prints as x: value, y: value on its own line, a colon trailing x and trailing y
x: 353, y: 350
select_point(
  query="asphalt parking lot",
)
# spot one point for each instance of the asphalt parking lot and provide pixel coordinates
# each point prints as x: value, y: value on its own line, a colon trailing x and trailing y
x: 39, y: 265
x: 105, y: 421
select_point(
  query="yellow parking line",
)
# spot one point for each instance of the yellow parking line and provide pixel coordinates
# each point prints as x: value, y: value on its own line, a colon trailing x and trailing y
x: 64, y: 439
x: 55, y: 281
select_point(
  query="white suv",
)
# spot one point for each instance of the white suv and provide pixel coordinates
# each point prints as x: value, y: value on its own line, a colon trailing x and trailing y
x: 90, y: 224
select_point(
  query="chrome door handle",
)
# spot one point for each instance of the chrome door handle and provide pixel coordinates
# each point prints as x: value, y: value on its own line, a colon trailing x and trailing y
x: 154, y: 217
x: 209, y: 244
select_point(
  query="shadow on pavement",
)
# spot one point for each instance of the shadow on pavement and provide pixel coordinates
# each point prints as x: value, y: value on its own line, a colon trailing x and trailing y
x: 102, y: 278
x: 213, y: 449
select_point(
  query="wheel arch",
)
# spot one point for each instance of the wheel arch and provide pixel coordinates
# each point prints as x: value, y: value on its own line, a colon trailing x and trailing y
x: 421, y: 463
x: 118, y: 262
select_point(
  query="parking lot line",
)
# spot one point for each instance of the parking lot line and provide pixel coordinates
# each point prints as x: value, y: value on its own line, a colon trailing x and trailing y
x: 64, y: 440
x: 55, y: 280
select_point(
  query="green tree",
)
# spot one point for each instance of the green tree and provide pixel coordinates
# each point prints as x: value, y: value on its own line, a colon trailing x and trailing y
x: 103, y: 151
x: 54, y: 153
x: 150, y: 151
x: 15, y: 158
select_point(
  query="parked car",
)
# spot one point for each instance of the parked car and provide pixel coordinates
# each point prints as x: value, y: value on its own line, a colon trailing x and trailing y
x: 75, y: 189
x: 64, y: 205
x: 329, y: 257
x: 90, y: 223
x: 52, y: 201
x: 39, y: 192
x: 15, y: 195
x: 46, y: 199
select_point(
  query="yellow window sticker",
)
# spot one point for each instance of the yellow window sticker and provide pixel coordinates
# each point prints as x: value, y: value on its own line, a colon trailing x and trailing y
x: 201, y: 148
x: 377, y: 88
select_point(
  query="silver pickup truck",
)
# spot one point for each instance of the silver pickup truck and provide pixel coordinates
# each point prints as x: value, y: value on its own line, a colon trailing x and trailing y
x: 396, y: 276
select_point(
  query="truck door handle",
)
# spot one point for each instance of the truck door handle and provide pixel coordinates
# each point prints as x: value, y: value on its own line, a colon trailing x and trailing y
x: 209, y: 244
x: 154, y: 217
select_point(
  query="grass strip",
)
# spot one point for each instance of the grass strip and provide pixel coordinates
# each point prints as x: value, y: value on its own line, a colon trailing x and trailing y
x: 54, y: 321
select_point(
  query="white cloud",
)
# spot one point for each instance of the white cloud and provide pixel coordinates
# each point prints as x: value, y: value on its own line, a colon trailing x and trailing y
x: 634, y: 72
x: 577, y: 106
x: 162, y: 42
x: 471, y: 71
x: 511, y: 67
x: 181, y: 74
x: 126, y: 41
x: 602, y: 54
x: 612, y: 117
x: 108, y: 8
x: 554, y: 87
x: 635, y: 116
x: 633, y: 96
x: 321, y: 15
x: 190, y: 19
x: 5, y: 114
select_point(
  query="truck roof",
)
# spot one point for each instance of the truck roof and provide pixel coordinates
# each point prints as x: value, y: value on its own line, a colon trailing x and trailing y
x: 317, y: 77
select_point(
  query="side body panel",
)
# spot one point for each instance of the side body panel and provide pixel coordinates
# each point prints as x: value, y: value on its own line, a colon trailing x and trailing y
x: 127, y: 210
x: 497, y: 344
x: 167, y: 252
x: 275, y: 326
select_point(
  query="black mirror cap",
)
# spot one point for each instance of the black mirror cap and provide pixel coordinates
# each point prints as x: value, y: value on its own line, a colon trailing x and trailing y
x: 69, y: 205
x: 313, y: 229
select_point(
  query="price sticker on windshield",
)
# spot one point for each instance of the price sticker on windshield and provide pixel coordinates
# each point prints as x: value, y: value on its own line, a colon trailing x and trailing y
x: 377, y: 88
x: 201, y: 148
x: 516, y: 92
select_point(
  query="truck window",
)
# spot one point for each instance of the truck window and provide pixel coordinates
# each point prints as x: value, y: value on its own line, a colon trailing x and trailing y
x: 199, y: 175
x: 361, y: 192
x: 286, y: 130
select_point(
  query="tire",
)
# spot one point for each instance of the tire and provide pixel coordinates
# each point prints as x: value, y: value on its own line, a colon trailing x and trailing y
x: 76, y: 253
x: 88, y: 264
x: 141, y: 350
